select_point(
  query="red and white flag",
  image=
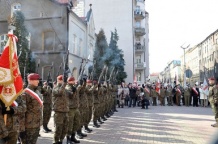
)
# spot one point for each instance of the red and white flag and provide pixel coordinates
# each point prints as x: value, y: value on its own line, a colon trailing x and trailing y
x: 11, y: 82
x: 147, y: 90
x: 158, y: 86
x: 194, y: 89
x: 34, y: 95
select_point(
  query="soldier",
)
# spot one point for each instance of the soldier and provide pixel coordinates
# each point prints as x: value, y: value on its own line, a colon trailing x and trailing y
x: 96, y: 104
x: 83, y: 106
x: 187, y: 94
x: 162, y: 96
x: 9, y: 132
x: 170, y: 95
x: 33, y: 114
x: 90, y: 98
x: 47, y: 106
x: 213, y: 99
x: 74, y: 114
x: 61, y: 109
x: 154, y: 96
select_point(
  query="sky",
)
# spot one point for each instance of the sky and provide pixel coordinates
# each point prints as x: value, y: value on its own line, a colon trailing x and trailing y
x: 173, y: 23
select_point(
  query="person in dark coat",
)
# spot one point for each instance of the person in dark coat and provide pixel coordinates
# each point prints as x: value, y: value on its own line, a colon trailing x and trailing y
x: 195, y: 93
x: 132, y: 93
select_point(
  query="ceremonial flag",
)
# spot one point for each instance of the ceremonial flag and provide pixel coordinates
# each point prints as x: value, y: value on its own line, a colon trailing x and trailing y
x: 11, y: 83
x: 158, y: 86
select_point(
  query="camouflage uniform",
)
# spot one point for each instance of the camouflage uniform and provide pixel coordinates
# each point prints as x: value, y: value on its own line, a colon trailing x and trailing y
x: 187, y: 94
x: 61, y: 109
x: 96, y: 102
x: 154, y: 96
x: 83, y: 104
x: 90, y: 98
x: 33, y: 117
x: 213, y: 99
x: 10, y: 130
x: 47, y: 105
x: 74, y: 113
x: 162, y: 96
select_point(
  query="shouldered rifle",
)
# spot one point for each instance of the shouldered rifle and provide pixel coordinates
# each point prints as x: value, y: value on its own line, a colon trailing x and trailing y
x: 112, y: 71
x: 82, y: 67
x: 24, y: 71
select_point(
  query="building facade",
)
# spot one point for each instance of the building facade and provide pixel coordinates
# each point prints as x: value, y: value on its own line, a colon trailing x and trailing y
x: 52, y: 26
x: 131, y: 21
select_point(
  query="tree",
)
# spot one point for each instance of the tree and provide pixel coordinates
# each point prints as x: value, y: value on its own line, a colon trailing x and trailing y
x: 117, y: 60
x: 26, y: 60
x: 99, y: 53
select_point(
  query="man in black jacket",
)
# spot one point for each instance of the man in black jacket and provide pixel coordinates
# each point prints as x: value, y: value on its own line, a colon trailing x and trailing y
x: 132, y: 93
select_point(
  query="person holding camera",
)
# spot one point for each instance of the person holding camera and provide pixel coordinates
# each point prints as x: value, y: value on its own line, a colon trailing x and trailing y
x: 213, y: 98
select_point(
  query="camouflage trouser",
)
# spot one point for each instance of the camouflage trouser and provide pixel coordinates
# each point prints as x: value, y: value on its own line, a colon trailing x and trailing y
x: 84, y: 115
x: 74, y: 121
x: 12, y: 138
x: 215, y: 110
x: 46, y: 113
x: 89, y: 115
x: 31, y: 136
x: 96, y: 112
x: 61, y: 120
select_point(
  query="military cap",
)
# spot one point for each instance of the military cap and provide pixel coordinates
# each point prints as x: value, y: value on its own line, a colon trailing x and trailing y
x: 71, y: 79
x: 88, y: 81
x: 60, y: 77
x: 33, y: 76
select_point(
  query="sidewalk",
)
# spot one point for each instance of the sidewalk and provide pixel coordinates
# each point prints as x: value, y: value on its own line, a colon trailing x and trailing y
x: 157, y: 125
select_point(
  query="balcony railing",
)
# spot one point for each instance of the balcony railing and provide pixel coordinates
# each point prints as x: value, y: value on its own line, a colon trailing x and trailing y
x: 139, y: 31
x: 140, y: 1
x: 139, y: 14
x: 139, y: 47
x: 139, y: 66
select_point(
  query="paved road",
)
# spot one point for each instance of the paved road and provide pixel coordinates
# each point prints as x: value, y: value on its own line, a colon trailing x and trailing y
x: 157, y: 125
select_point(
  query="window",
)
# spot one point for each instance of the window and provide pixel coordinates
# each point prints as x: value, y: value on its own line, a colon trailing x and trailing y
x: 74, y: 43
x: 138, y: 76
x: 138, y: 59
x: 49, y: 40
x: 3, y: 39
x: 15, y: 7
x: 80, y: 47
x: 138, y: 24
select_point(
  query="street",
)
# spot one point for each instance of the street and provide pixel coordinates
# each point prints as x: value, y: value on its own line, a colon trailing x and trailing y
x: 157, y: 125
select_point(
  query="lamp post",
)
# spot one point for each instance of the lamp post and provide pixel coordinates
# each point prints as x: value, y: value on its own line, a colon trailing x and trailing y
x: 184, y: 81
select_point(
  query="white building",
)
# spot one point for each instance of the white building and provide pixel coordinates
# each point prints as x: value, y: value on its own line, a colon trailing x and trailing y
x: 81, y: 41
x: 131, y: 21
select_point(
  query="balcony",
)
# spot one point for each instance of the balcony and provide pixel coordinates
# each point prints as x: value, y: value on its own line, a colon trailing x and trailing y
x: 139, y: 14
x: 139, y: 31
x: 140, y: 1
x: 139, y: 47
x: 140, y: 66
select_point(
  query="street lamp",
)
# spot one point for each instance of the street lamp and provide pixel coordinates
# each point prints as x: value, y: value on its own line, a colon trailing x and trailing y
x: 184, y: 65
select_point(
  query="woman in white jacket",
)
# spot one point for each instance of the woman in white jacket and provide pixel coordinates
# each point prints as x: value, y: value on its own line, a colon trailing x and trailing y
x: 203, y: 96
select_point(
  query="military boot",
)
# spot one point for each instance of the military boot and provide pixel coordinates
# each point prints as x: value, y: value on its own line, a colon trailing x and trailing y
x: 79, y: 135
x: 87, y: 129
x: 73, y: 139
x: 60, y: 142
x: 104, y: 119
x: 215, y: 125
x: 83, y: 135
x: 99, y: 120
x: 107, y: 115
x: 69, y: 140
x: 95, y: 124
x: 46, y: 129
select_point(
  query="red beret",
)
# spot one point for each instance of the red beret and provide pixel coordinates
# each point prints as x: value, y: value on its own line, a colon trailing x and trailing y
x: 211, y: 78
x: 60, y: 77
x: 88, y: 81
x: 71, y: 79
x: 33, y: 76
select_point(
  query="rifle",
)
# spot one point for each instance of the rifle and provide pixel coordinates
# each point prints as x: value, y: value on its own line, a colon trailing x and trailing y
x: 24, y: 71
x: 93, y: 70
x: 49, y: 74
x: 105, y: 76
x: 82, y: 68
x: 102, y: 72
x: 66, y: 67
x: 37, y: 67
x: 111, y: 74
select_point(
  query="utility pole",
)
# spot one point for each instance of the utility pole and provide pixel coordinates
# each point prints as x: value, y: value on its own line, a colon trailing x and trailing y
x: 184, y: 81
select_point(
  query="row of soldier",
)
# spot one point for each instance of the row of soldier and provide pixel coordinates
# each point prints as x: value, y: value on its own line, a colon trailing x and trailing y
x: 74, y: 105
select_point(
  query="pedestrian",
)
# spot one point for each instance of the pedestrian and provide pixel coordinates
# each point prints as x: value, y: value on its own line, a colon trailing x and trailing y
x: 33, y: 114
x: 61, y: 109
x: 195, y: 93
x: 213, y: 98
x: 132, y: 93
